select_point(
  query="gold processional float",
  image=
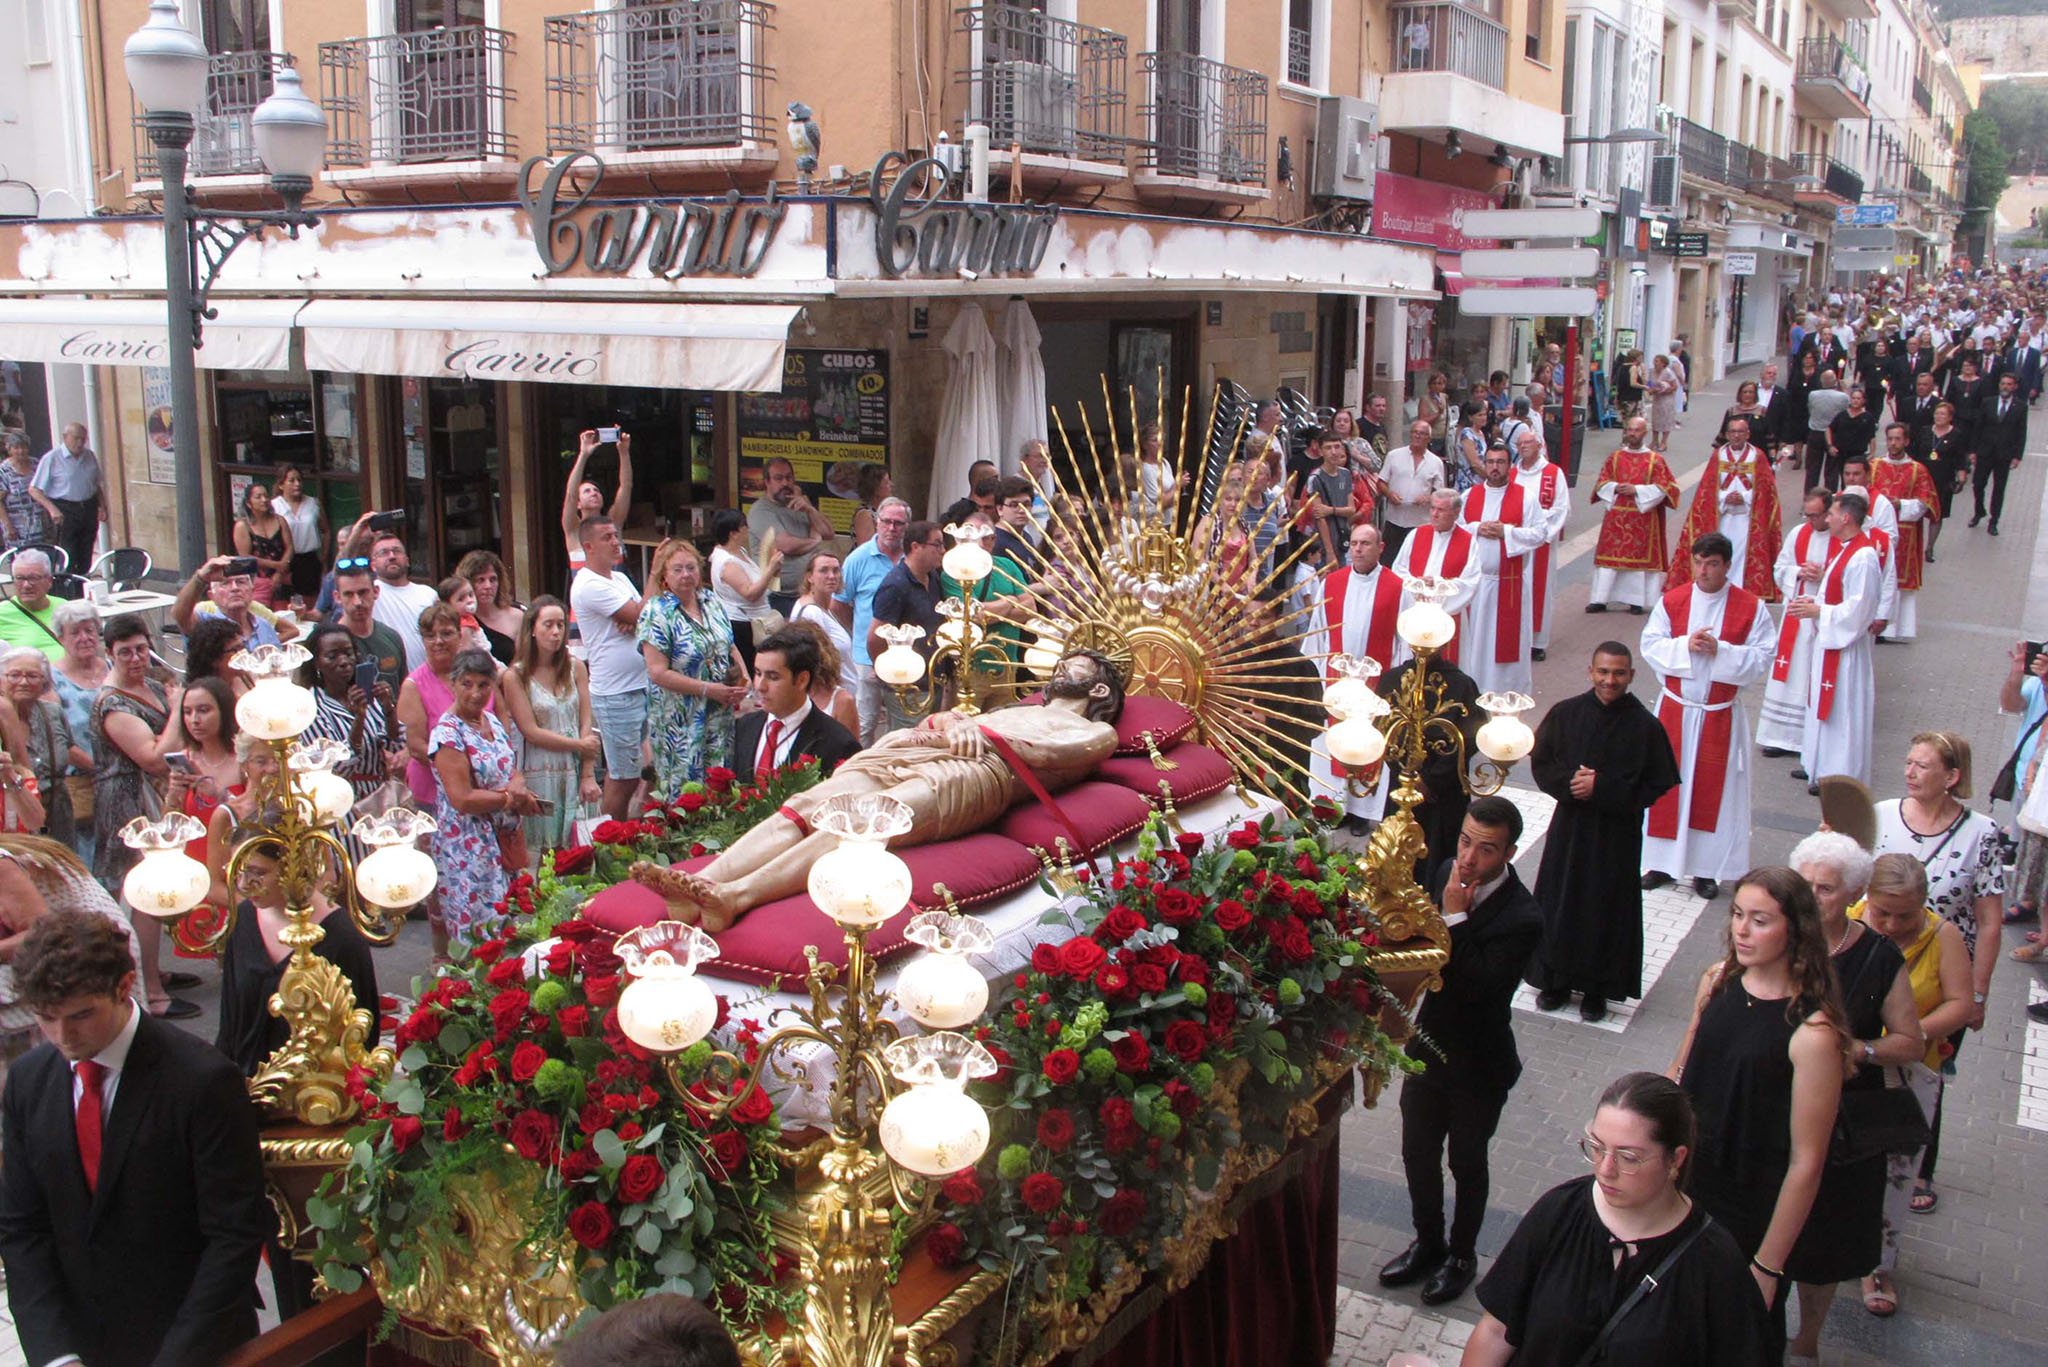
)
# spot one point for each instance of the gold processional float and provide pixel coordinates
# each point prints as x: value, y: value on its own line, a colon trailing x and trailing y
x: 1177, y: 623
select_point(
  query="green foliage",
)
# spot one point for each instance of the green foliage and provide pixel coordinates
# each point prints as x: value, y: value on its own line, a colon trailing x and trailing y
x: 1989, y: 161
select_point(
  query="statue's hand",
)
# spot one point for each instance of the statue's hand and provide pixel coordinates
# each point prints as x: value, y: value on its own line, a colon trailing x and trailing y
x: 964, y: 738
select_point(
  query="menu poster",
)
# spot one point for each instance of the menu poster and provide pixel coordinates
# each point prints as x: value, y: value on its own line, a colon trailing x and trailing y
x: 156, y: 421
x: 830, y: 418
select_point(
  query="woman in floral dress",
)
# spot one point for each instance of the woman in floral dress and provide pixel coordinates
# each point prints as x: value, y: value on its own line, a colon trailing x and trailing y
x: 698, y: 678
x: 547, y: 696
x: 481, y: 792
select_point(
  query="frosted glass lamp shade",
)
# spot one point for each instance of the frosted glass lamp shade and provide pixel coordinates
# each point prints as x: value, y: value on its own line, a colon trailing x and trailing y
x: 934, y: 1130
x: 289, y: 130
x: 899, y: 666
x: 396, y: 877
x: 941, y: 991
x: 666, y: 1010
x: 1356, y: 743
x: 166, y: 63
x: 276, y: 709
x: 166, y: 883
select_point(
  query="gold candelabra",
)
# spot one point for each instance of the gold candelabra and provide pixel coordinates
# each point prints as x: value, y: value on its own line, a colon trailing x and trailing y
x: 964, y: 640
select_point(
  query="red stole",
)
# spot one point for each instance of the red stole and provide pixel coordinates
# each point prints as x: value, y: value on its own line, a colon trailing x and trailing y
x: 1507, y: 616
x: 1788, y: 630
x: 1546, y: 495
x: 1420, y: 543
x: 1710, y: 764
x: 1831, y: 594
x: 1386, y: 608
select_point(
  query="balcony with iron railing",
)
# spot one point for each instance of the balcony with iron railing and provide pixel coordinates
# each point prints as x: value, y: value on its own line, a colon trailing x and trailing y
x: 1206, y: 128
x: 410, y: 99
x: 1838, y: 184
x: 1701, y: 151
x: 1829, y: 80
x: 1054, y: 91
x: 1923, y: 97
x: 223, y: 143
x: 684, y: 84
x: 1441, y: 36
x: 1918, y: 182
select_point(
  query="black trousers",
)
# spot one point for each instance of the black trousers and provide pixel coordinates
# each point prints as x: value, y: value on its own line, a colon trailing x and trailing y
x: 78, y: 530
x: 1436, y: 1116
x: 1817, y: 462
x: 1392, y: 537
x: 1992, y: 470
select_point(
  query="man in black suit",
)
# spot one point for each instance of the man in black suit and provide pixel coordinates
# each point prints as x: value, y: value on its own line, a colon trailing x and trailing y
x: 1915, y: 408
x: 2001, y: 441
x: 1908, y: 362
x: 1495, y: 925
x: 787, y: 726
x: 131, y: 1190
x: 1769, y: 431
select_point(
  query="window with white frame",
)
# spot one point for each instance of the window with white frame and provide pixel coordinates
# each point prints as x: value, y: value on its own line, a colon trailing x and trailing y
x: 1305, y: 59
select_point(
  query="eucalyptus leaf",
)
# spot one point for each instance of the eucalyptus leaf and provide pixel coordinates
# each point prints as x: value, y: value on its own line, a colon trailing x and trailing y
x: 651, y: 1138
x: 648, y: 1237
x: 342, y: 1277
x: 676, y: 1262
x: 611, y: 1150
x: 413, y: 1059
x: 322, y: 1214
x: 454, y: 1040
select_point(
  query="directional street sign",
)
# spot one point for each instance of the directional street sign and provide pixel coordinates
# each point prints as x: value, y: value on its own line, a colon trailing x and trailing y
x: 1525, y: 223
x: 1867, y: 215
x: 1863, y: 261
x: 1526, y: 263
x: 1865, y: 239
x: 1556, y: 301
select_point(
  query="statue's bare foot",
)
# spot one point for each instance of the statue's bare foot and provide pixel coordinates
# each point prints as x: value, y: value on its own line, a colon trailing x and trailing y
x: 673, y: 885
x: 720, y: 907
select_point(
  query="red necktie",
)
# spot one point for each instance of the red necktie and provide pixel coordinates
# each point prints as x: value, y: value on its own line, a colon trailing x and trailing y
x: 765, y: 768
x: 90, y: 1074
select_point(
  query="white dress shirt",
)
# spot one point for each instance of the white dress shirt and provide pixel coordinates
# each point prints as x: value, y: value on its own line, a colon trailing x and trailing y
x: 785, y: 739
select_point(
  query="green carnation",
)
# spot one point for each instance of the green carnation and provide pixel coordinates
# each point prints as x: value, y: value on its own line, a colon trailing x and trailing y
x: 1202, y: 1077
x: 1087, y: 1024
x: 1244, y: 861
x: 1208, y: 938
x: 1196, y: 994
x: 1353, y: 948
x: 551, y: 996
x: 693, y: 788
x: 1306, y: 845
x: 558, y: 1080
x: 1290, y: 992
x: 1165, y: 1124
x: 1099, y: 1064
x: 1148, y: 845
x: 696, y: 1056
x: 1014, y: 1162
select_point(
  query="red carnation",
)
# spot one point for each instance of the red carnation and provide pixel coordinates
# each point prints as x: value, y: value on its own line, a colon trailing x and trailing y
x: 1112, y: 981
x: 1080, y: 957
x: 574, y: 1020
x: 594, y: 1116
x: 574, y: 859
x: 453, y: 1126
x: 1121, y: 924
x: 1042, y: 1193
x: 1056, y: 1129
x: 1132, y: 1052
x: 533, y: 1135
x: 1046, y: 958
x: 1121, y: 1213
x: 1176, y: 906
x: 964, y: 1188
x: 526, y: 1061
x: 1149, y: 978
x: 718, y: 778
x: 754, y: 1108
x: 946, y: 1245
x: 406, y: 1131
x: 1186, y: 1040
x: 1061, y: 1065
x: 639, y: 1178
x: 729, y: 1151
x: 691, y: 802
x: 591, y: 1224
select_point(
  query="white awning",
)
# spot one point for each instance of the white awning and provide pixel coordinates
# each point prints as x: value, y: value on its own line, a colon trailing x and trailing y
x: 666, y: 346
x: 249, y: 334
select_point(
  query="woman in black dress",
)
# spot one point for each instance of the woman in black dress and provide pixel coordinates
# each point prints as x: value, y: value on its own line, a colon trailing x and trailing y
x: 1948, y: 460
x: 1746, y: 406
x: 1805, y: 379
x: 1849, y: 437
x: 1763, y: 1062
x: 1844, y: 1234
x: 1584, y: 1247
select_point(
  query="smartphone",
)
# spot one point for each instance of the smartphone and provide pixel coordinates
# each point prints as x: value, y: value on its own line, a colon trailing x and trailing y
x: 179, y: 762
x: 366, y: 675
x: 239, y: 566
x: 547, y: 806
x: 387, y: 522
x: 2033, y: 648
x: 610, y: 434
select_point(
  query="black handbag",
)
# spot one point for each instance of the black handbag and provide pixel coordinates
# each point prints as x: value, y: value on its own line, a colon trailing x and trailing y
x: 2005, y: 783
x: 1871, y: 1123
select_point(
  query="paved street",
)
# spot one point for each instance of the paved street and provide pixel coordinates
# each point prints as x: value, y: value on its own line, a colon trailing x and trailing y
x: 1971, y: 1276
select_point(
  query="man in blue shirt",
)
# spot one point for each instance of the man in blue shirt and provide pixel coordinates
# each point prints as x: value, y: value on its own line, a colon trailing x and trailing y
x: 909, y: 596
x: 862, y: 574
x: 2025, y: 693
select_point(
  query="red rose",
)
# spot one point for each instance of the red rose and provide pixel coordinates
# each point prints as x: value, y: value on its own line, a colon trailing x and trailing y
x: 1056, y: 1129
x: 594, y: 1116
x: 1080, y: 957
x: 1194, y: 970
x: 1121, y: 924
x: 487, y: 952
x: 1189, y: 843
x: 1245, y: 837
x: 406, y: 1131
x: 729, y: 1151
x: 591, y: 1224
x: 602, y: 991
x: 718, y: 778
x: 1149, y: 978
x: 629, y: 1132
x: 508, y: 1008
x: 1176, y: 907
x: 1231, y: 915
x: 963, y: 1188
x: 1306, y: 867
x: 1001, y: 1077
x: 1121, y: 1213
x: 1112, y: 981
x: 1042, y: 1193
x: 946, y: 1245
x: 639, y: 1178
x: 1295, y: 944
x: 754, y: 1108
x: 453, y: 1126
x: 571, y: 860
x: 526, y: 1061
x: 1115, y: 1113
x: 1045, y: 958
x: 1122, y: 1138
x: 580, y: 1164
x: 1222, y: 1010
x: 691, y: 802
x: 1323, y: 809
x: 577, y: 930
x: 1061, y: 1065
x: 1186, y: 1040
x: 1132, y: 1053
x: 574, y: 1020
x: 533, y: 1135
x: 611, y: 832
x: 561, y: 959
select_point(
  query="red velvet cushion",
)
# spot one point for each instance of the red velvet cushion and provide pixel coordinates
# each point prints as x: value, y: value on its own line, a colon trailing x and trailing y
x: 1103, y: 813
x: 1202, y: 772
x: 625, y: 906
x: 1167, y: 721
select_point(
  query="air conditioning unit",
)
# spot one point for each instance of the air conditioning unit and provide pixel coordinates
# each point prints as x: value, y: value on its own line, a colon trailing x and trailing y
x: 1032, y: 103
x: 1347, y: 148
x: 1663, y: 191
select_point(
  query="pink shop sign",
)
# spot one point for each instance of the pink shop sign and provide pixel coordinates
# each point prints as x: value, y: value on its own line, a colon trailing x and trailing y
x: 1410, y: 209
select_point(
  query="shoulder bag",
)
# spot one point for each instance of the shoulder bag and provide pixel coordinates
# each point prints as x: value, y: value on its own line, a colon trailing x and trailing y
x: 2005, y: 783
x: 1643, y: 1288
x: 1885, y: 1121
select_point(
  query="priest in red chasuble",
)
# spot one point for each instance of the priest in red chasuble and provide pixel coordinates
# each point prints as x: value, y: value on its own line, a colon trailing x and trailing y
x: 1353, y: 613
x: 1631, y: 556
x: 1905, y: 481
x: 1737, y: 497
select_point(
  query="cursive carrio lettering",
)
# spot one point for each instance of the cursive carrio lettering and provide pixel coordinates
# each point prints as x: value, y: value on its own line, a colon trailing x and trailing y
x: 728, y: 236
x: 940, y: 237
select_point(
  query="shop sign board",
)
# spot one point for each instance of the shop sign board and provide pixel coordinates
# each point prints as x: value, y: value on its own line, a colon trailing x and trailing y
x: 830, y: 418
x: 1867, y: 215
x: 1411, y: 209
x: 687, y: 237
x: 157, y: 420
x: 1557, y: 301
x: 1530, y: 223
x: 1692, y: 244
x: 1520, y: 263
x: 1739, y: 263
x: 929, y: 233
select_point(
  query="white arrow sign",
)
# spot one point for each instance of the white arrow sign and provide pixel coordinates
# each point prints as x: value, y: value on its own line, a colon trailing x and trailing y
x: 1559, y: 301
x: 1524, y: 263
x: 1517, y: 223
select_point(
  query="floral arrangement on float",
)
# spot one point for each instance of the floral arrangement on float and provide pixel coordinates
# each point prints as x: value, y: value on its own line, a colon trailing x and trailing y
x: 702, y: 818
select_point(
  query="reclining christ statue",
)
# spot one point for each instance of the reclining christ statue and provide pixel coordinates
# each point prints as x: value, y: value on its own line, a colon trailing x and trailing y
x: 957, y: 774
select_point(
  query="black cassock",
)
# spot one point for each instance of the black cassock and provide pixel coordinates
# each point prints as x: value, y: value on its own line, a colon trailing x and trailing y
x: 1590, y: 880
x: 1444, y: 799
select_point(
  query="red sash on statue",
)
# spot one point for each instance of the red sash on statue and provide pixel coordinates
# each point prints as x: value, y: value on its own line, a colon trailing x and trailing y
x: 1831, y: 586
x: 1788, y: 630
x: 1507, y: 616
x: 1419, y: 544
x: 1710, y: 764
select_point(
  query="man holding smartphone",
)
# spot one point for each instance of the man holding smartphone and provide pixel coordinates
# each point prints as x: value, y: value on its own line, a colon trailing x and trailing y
x: 797, y: 526
x: 355, y: 590
x: 225, y: 586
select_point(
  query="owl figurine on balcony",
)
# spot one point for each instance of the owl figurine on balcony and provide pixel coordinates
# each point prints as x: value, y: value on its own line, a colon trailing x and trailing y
x: 804, y: 141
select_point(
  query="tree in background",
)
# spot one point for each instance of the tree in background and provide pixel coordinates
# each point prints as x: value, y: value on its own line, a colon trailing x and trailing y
x: 1988, y: 165
x: 2021, y: 110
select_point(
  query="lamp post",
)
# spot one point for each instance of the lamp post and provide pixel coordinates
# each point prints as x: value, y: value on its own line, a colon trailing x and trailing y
x: 167, y: 69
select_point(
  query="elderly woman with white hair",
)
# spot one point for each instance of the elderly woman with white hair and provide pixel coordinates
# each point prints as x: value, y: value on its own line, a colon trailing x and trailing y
x: 25, y: 680
x: 1844, y: 1231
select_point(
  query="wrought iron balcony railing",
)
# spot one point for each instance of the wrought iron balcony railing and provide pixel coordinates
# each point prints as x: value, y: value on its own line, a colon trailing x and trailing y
x: 691, y: 74
x: 1053, y: 87
x: 1206, y: 119
x: 222, y: 144
x: 1827, y: 59
x: 435, y: 95
x: 1441, y: 35
x: 1835, y: 178
x: 1923, y: 97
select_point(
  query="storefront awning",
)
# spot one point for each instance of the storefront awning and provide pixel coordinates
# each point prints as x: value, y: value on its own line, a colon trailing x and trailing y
x: 249, y: 334
x: 664, y: 346
x: 1450, y: 265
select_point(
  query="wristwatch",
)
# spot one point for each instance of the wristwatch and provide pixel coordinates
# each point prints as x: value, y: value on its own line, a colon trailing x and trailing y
x: 1977, y: 997
x: 1869, y: 1052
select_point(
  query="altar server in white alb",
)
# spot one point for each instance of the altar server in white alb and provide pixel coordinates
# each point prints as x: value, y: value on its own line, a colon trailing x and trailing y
x: 1782, y: 720
x: 1353, y: 614
x: 1882, y: 527
x: 1706, y: 640
x: 1542, y: 480
x: 1441, y: 549
x: 1842, y: 684
x: 1507, y: 526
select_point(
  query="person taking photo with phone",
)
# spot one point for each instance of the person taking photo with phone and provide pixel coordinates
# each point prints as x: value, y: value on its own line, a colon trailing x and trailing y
x: 225, y: 586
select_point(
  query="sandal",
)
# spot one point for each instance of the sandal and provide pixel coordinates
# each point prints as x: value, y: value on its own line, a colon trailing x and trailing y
x: 2035, y: 953
x: 1925, y: 1199
x: 1880, y: 1298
